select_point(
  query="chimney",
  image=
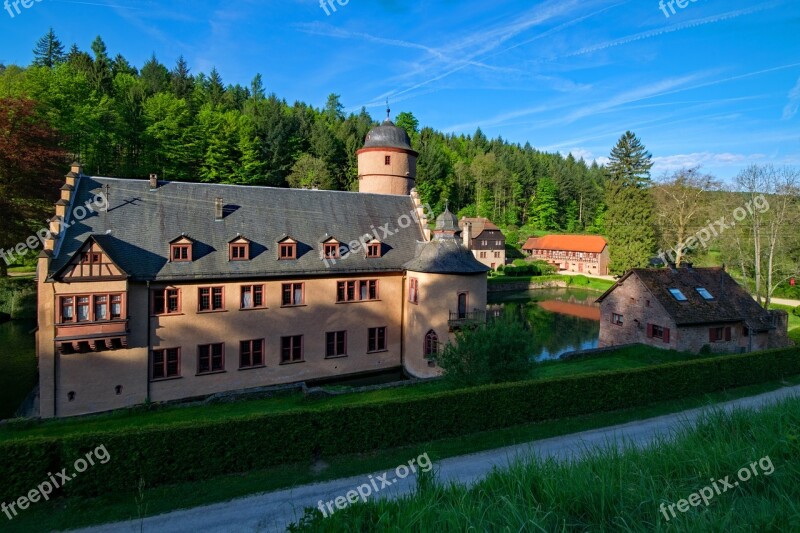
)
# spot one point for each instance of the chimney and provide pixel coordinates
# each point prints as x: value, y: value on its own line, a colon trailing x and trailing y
x: 218, y: 209
x: 466, y: 234
x: 153, y: 182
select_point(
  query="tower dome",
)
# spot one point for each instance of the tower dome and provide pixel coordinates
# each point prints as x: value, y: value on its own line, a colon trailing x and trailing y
x: 387, y: 164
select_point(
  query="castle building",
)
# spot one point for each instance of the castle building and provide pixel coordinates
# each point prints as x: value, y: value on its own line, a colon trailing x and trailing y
x: 484, y: 238
x: 178, y: 290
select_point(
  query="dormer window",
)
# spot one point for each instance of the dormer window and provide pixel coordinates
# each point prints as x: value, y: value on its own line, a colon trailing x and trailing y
x: 180, y: 250
x: 287, y: 249
x: 373, y: 250
x: 331, y: 249
x: 239, y: 249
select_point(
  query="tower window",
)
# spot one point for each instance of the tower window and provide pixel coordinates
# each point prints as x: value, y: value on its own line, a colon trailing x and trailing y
x: 387, y: 160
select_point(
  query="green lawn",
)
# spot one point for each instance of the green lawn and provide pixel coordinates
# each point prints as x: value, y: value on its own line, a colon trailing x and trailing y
x: 78, y: 512
x: 574, y: 282
x: 610, y: 490
x: 141, y: 417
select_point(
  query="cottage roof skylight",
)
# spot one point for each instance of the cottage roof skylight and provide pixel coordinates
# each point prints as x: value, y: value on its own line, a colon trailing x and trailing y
x: 702, y: 291
x: 678, y: 295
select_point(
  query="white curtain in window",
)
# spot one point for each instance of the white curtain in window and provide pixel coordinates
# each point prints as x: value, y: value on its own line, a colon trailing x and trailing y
x: 298, y: 295
x: 247, y: 299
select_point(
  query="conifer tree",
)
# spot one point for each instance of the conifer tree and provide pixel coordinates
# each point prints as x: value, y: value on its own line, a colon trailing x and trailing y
x: 629, y: 209
x: 49, y: 51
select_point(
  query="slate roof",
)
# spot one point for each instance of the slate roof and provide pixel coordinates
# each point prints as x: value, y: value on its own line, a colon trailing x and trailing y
x: 140, y: 223
x: 570, y: 243
x: 387, y: 135
x: 445, y: 254
x: 731, y: 303
x: 479, y: 225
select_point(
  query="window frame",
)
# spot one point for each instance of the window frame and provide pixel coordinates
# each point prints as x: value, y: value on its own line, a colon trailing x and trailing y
x: 212, y: 289
x: 618, y: 319
x: 292, y: 347
x: 239, y: 251
x: 413, y: 291
x: 373, y: 250
x: 427, y: 353
x: 166, y: 298
x: 339, y: 337
x: 387, y: 160
x: 292, y: 287
x: 165, y: 364
x: 251, y: 351
x: 291, y: 251
x: 211, y: 357
x: 327, y: 247
x: 252, y: 288
x: 343, y: 290
x: 375, y: 347
x: 92, y: 310
x: 186, y: 253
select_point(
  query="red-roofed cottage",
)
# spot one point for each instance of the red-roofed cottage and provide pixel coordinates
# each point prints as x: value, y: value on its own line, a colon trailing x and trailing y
x: 587, y: 254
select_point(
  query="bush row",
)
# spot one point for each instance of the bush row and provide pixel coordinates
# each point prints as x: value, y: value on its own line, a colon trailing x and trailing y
x: 526, y: 268
x: 195, y: 451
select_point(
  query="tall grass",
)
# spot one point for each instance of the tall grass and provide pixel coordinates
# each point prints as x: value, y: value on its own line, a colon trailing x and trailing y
x: 611, y: 490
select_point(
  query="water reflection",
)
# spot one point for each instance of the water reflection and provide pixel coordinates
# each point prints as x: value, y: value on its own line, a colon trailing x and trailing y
x: 562, y: 320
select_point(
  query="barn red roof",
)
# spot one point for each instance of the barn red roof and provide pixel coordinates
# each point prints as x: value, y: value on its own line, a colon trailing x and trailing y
x: 570, y: 243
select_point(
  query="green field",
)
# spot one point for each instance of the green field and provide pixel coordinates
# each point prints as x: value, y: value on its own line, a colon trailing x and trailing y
x: 618, y: 490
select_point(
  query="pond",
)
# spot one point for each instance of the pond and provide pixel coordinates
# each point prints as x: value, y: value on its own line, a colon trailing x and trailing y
x: 562, y: 320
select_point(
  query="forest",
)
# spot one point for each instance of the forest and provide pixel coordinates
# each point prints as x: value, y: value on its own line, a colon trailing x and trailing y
x: 121, y: 120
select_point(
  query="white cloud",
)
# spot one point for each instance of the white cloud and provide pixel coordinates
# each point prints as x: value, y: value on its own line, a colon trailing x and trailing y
x: 794, y: 102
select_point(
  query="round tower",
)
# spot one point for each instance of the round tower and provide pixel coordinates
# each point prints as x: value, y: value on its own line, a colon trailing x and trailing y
x: 387, y: 164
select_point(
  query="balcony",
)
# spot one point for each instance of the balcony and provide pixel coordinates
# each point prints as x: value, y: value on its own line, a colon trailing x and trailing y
x: 92, y: 336
x: 466, y: 319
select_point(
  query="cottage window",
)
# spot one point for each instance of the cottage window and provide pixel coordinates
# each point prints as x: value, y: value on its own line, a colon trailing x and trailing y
x: 719, y: 334
x: 251, y: 354
x: 376, y: 341
x: 292, y: 349
x: 336, y: 344
x: 166, y: 363
x: 616, y: 319
x: 210, y: 358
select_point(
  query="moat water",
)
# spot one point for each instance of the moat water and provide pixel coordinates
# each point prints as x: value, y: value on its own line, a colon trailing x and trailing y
x: 562, y: 320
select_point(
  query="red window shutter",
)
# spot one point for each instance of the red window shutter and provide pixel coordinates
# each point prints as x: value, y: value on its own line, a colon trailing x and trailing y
x: 727, y: 334
x: 649, y: 331
x: 666, y: 335
x: 712, y: 335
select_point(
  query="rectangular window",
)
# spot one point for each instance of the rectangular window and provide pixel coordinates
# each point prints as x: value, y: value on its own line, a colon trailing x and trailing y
x: 292, y: 294
x: 376, y: 341
x: 678, y: 295
x: 616, y: 319
x: 83, y: 308
x: 387, y: 160
x: 251, y: 354
x: 67, y: 309
x: 331, y: 250
x: 292, y: 349
x: 253, y: 297
x: 704, y: 293
x: 719, y: 334
x: 336, y: 344
x: 166, y: 363
x: 181, y: 253
x: 288, y: 251
x: 413, y: 290
x: 356, y: 291
x: 101, y: 307
x: 116, y: 306
x: 497, y: 255
x: 373, y: 250
x: 483, y: 255
x: 210, y: 299
x: 210, y: 358
x: 239, y: 252
x: 166, y: 302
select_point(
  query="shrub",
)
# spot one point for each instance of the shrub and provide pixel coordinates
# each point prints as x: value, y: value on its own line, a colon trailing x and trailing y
x: 207, y: 449
x: 491, y: 353
x: 796, y: 311
x: 578, y: 280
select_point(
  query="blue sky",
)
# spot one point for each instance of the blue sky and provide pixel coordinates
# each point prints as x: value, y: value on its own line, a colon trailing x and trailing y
x: 716, y: 83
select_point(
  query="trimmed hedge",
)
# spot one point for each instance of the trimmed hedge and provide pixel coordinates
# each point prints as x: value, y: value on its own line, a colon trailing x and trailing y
x: 195, y: 451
